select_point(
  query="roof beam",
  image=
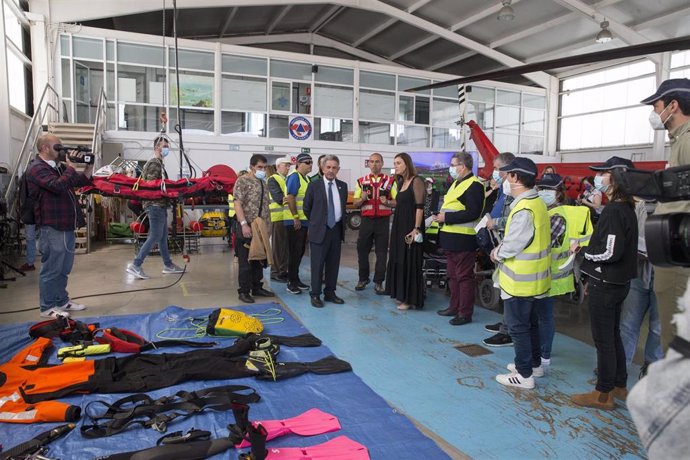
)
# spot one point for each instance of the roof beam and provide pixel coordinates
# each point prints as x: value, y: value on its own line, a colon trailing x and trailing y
x: 385, y: 25
x: 278, y: 17
x: 528, y: 32
x: 306, y: 37
x: 452, y: 60
x: 654, y: 22
x: 628, y: 35
x: 325, y: 18
x: 228, y: 20
x: 494, y: 9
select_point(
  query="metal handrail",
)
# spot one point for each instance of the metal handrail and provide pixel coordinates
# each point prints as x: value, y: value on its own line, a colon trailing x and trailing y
x: 99, y: 127
x: 49, y: 100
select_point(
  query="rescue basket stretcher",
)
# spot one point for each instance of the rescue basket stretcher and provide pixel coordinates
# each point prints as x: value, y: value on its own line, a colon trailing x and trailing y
x: 120, y: 185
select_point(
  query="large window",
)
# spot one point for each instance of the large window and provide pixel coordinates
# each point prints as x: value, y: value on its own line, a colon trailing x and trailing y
x: 18, y: 47
x: 602, y: 109
x: 680, y: 65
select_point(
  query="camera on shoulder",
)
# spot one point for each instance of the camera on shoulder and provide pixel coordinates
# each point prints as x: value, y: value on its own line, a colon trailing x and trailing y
x: 667, y: 235
x: 63, y: 151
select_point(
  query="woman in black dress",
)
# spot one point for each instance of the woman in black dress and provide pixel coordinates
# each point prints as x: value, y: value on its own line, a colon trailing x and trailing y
x: 404, y: 280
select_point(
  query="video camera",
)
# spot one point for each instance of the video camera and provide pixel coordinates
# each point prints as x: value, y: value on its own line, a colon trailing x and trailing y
x: 63, y: 150
x: 667, y: 235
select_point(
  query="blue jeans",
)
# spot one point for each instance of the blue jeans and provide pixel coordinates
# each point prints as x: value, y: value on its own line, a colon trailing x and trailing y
x: 30, y: 230
x: 640, y: 300
x: 57, y: 258
x: 547, y: 325
x: 521, y: 318
x: 158, y: 234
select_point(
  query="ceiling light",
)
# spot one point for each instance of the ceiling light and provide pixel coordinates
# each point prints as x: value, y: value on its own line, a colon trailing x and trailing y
x: 506, y: 13
x: 604, y: 34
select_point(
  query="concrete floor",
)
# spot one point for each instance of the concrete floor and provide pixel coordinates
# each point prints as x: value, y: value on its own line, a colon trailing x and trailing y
x: 410, y: 358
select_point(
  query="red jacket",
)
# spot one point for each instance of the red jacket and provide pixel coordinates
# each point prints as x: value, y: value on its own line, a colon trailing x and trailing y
x: 27, y: 376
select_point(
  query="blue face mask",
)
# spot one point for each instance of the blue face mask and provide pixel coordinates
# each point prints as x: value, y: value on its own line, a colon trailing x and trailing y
x: 453, y: 172
x: 260, y: 174
x: 548, y: 196
x: 599, y: 184
x: 165, y: 151
x: 496, y: 176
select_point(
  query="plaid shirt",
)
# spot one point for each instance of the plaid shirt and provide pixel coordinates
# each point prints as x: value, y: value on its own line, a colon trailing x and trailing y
x: 52, y: 191
x: 557, y: 230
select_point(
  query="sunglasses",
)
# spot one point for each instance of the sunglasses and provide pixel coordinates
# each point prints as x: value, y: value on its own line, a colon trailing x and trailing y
x: 308, y: 162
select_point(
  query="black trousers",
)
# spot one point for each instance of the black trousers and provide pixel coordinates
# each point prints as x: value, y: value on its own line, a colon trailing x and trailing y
x: 297, y: 243
x: 373, y: 232
x: 280, y: 249
x: 326, y: 254
x: 250, y: 272
x: 605, y: 302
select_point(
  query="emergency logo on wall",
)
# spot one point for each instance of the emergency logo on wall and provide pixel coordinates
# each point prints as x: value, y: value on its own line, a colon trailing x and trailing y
x: 300, y: 128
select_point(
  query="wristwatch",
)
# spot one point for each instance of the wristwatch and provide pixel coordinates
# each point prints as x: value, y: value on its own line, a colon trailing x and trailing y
x: 244, y: 222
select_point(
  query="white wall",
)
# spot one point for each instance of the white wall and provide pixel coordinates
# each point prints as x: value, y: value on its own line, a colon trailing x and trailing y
x: 18, y: 127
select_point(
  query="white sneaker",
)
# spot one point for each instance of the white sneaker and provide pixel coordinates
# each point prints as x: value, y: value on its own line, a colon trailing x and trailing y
x: 71, y: 306
x: 536, y: 371
x: 545, y: 362
x: 515, y: 380
x: 172, y: 268
x: 137, y: 271
x: 54, y: 313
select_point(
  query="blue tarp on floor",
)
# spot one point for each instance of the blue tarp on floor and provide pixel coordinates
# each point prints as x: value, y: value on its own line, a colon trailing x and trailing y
x: 364, y: 416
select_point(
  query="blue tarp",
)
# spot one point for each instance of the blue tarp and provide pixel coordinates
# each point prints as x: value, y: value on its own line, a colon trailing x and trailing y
x: 364, y: 416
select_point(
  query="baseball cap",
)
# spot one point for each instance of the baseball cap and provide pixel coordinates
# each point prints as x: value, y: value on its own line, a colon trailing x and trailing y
x: 520, y: 164
x: 283, y: 160
x: 613, y: 163
x: 302, y: 157
x: 674, y: 87
x: 552, y: 181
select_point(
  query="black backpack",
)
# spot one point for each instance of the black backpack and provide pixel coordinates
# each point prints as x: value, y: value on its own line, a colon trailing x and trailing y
x: 26, y: 201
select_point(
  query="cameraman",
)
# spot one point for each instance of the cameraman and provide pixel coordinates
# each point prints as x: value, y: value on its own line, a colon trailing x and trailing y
x: 57, y: 214
x: 671, y: 111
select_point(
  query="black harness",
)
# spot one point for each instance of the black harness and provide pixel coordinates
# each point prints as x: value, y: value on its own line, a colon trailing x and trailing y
x: 141, y: 409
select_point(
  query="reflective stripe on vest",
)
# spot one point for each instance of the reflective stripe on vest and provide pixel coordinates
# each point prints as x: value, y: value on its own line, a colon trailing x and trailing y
x: 279, y: 212
x: 231, y: 205
x: 562, y: 280
x: 299, y: 198
x: 432, y: 229
x: 451, y: 203
x: 372, y: 207
x: 529, y: 273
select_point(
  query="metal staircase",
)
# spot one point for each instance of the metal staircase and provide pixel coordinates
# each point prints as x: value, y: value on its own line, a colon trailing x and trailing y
x: 46, y: 119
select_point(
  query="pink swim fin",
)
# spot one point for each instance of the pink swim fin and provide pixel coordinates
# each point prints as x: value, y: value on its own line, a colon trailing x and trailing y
x: 310, y: 423
x: 340, y: 448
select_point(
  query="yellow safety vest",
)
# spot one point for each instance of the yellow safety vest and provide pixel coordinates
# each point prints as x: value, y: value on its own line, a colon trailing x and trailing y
x: 231, y: 205
x: 451, y: 203
x: 579, y: 224
x: 528, y: 274
x: 279, y: 212
x: 562, y: 281
x: 299, y: 199
x: 432, y: 229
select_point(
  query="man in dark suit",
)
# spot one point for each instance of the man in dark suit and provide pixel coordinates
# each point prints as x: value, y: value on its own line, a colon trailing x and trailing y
x: 324, y: 206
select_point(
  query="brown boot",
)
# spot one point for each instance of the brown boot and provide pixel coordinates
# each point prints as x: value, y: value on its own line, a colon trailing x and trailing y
x: 620, y: 393
x: 595, y: 399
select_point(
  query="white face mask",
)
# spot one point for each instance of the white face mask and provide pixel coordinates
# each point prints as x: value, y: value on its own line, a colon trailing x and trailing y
x: 656, y: 122
x: 599, y: 184
x: 549, y: 196
x: 506, y: 187
x: 453, y: 171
